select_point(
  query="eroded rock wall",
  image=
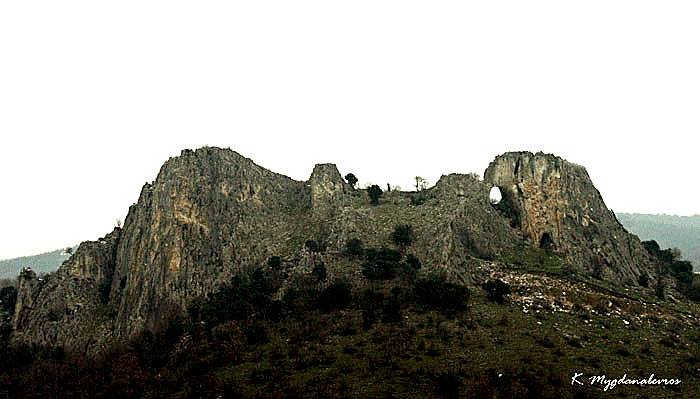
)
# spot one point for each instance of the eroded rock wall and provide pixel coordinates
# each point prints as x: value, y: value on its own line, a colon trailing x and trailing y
x: 556, y: 205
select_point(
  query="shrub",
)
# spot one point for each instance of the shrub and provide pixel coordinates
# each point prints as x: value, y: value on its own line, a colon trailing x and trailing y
x: 8, y: 299
x: 354, y: 247
x: 316, y: 246
x: 660, y: 290
x: 417, y: 199
x: 381, y: 264
x: 298, y: 301
x: 403, y: 235
x: 319, y: 271
x: 274, y: 262
x: 436, y: 293
x: 410, y: 266
x: 335, y: 296
x: 238, y: 300
x: 497, y: 290
x: 374, y: 192
x: 644, y: 280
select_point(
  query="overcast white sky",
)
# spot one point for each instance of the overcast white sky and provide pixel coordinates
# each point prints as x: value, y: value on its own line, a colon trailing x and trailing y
x: 95, y: 96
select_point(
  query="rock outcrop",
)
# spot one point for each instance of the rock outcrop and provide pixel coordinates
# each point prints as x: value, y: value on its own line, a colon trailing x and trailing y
x: 212, y: 214
x: 556, y: 206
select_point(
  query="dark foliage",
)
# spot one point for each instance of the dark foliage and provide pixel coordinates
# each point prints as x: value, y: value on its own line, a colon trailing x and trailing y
x: 8, y: 298
x: 644, y: 280
x: 418, y: 198
x: 351, y: 179
x: 297, y: 301
x: 335, y: 296
x: 354, y: 247
x: 105, y: 288
x: 403, y: 235
x: 319, y: 271
x: 240, y: 299
x: 316, y: 246
x: 681, y: 270
x: 274, y: 262
x: 497, y: 290
x: 436, y: 293
x: 381, y: 264
x: 374, y: 192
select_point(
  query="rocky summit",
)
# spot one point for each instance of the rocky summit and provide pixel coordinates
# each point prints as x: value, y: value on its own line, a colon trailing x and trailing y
x: 212, y: 214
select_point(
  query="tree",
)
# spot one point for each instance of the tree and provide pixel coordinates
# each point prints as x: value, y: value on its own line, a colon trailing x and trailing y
x: 8, y: 298
x: 351, y: 179
x: 382, y: 264
x: 403, y: 235
x: 319, y: 271
x: 436, y: 293
x: 335, y: 296
x: 315, y: 246
x: 421, y: 183
x: 354, y: 247
x: 374, y: 192
x: 275, y: 262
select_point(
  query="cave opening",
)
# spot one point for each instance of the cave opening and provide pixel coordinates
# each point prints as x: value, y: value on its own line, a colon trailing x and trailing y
x: 495, y: 195
x: 546, y: 242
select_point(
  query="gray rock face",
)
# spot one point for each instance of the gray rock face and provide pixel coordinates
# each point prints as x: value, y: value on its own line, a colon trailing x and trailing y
x: 212, y: 214
x: 556, y: 205
x: 328, y: 190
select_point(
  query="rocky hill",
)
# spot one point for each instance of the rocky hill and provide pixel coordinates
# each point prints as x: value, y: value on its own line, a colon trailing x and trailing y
x: 212, y: 214
x: 682, y: 232
x: 43, y: 263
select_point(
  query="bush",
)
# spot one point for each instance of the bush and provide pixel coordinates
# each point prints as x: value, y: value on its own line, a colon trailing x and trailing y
x: 298, y: 301
x: 274, y: 262
x: 238, y: 300
x: 436, y: 293
x: 335, y: 296
x: 316, y: 246
x: 381, y: 264
x: 660, y: 290
x: 403, y: 235
x: 374, y: 192
x: 644, y: 280
x: 8, y: 299
x: 411, y: 265
x: 497, y: 290
x: 354, y: 247
x: 319, y: 271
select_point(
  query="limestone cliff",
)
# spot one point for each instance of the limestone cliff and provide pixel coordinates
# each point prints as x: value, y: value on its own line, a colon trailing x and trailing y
x: 212, y: 214
x: 555, y: 204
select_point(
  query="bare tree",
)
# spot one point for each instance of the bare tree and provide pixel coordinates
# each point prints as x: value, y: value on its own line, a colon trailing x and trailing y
x: 421, y: 183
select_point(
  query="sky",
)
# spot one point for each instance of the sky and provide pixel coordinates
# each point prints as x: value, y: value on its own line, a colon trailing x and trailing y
x: 95, y: 96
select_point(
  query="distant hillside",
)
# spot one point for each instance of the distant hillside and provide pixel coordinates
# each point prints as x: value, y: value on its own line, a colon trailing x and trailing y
x: 43, y: 263
x: 669, y: 231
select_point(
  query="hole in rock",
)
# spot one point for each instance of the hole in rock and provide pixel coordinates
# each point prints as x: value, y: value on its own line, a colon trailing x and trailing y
x: 495, y: 196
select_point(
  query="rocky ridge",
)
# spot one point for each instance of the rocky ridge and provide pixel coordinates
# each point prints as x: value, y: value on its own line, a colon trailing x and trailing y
x: 212, y: 214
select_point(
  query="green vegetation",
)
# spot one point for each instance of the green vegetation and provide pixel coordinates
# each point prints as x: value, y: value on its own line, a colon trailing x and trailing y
x: 374, y: 192
x: 670, y: 231
x: 497, y: 290
x: 8, y: 297
x: 354, y: 247
x: 671, y: 264
x: 403, y: 235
